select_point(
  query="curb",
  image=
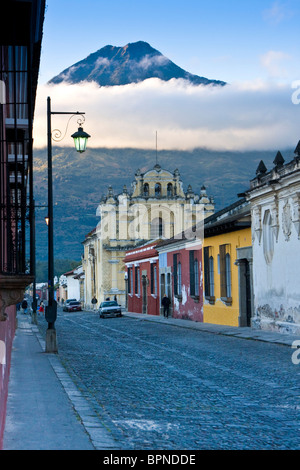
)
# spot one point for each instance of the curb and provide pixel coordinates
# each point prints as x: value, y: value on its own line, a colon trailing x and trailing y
x: 99, y: 436
x: 247, y: 333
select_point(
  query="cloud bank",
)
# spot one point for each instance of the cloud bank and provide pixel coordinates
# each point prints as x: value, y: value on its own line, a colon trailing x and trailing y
x: 240, y: 116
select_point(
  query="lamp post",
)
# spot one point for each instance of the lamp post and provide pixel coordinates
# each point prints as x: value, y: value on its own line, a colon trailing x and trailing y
x: 126, y: 290
x: 80, y: 140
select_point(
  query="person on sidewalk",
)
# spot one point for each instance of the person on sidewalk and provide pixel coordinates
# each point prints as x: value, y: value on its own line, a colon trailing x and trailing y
x: 41, y: 309
x: 24, y: 306
x: 94, y: 302
x: 166, y: 304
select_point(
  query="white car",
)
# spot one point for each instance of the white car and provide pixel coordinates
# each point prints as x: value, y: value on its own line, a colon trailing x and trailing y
x: 109, y: 308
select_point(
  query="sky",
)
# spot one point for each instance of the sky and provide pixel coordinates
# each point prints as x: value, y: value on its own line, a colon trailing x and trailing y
x: 253, y: 46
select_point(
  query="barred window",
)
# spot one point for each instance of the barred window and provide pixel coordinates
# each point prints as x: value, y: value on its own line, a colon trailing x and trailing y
x: 196, y: 271
x: 194, y: 274
x: 179, y: 279
x: 209, y: 281
x: 177, y: 275
x: 225, y: 271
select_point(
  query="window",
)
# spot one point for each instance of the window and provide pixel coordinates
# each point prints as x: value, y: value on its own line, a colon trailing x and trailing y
x: 194, y: 275
x: 225, y: 273
x: 130, y: 281
x: 157, y: 190
x: 211, y: 276
x: 170, y: 190
x: 179, y: 279
x: 177, y: 276
x: 146, y: 189
x: 209, y: 282
x: 196, y: 270
x: 155, y: 279
x: 137, y: 280
x: 153, y: 283
x: 228, y: 275
x: 157, y: 228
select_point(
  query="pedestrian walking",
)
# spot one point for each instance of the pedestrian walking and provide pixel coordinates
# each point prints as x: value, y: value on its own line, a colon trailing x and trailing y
x: 94, y: 301
x: 24, y: 306
x: 41, y: 309
x: 166, y: 304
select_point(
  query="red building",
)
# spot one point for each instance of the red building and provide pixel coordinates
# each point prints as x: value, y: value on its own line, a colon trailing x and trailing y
x: 143, y: 279
x: 180, y: 271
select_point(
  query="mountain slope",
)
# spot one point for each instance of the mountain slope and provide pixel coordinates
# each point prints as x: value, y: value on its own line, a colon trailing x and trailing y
x: 133, y: 63
x: 79, y: 182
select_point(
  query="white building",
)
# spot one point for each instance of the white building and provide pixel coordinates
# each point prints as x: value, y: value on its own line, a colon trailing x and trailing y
x: 275, y: 210
x: 73, y: 281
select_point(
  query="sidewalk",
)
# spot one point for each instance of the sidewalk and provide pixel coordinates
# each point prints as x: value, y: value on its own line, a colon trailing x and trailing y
x: 46, y: 411
x: 239, y: 332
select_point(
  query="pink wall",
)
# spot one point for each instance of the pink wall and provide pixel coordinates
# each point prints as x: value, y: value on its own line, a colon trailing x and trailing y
x: 7, y: 333
x: 187, y: 306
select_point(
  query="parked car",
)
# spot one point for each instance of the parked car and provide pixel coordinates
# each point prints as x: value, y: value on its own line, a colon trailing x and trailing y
x: 109, y: 308
x: 73, y: 306
x: 66, y: 304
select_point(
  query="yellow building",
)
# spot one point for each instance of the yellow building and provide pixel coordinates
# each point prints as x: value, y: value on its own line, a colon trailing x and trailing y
x: 227, y: 266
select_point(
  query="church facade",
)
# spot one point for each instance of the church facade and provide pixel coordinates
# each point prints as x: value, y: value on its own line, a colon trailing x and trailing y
x: 156, y: 208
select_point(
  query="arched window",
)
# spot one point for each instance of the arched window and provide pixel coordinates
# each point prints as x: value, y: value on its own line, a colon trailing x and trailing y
x: 170, y: 190
x: 146, y: 189
x: 157, y: 190
x: 157, y: 228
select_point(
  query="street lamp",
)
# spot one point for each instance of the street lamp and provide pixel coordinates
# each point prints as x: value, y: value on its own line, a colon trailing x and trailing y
x: 80, y: 140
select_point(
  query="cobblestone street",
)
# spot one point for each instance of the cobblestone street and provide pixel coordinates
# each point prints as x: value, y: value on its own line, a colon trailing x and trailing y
x: 156, y: 386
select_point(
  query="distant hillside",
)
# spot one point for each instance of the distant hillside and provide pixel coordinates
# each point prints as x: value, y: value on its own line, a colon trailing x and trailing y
x: 81, y: 179
x: 133, y: 63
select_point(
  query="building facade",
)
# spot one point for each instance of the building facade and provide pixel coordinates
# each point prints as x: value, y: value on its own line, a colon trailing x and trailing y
x: 227, y: 267
x: 157, y: 207
x: 180, y: 271
x: 142, y: 279
x: 73, y: 282
x: 20, y: 48
x: 274, y: 197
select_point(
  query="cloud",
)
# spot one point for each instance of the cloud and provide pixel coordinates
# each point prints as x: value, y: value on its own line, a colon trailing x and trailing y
x: 242, y: 116
x: 148, y: 61
x: 277, y: 13
x: 102, y: 61
x: 273, y: 60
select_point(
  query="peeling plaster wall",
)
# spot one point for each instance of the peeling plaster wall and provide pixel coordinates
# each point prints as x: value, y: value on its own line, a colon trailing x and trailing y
x: 276, y: 257
x: 187, y: 307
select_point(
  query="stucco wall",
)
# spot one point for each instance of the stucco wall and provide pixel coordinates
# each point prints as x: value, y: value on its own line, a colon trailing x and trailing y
x: 276, y: 273
x: 218, y: 312
x: 186, y: 306
x: 7, y: 333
